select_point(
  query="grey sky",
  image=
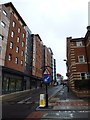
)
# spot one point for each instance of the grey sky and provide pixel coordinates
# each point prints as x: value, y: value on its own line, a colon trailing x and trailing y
x: 54, y: 20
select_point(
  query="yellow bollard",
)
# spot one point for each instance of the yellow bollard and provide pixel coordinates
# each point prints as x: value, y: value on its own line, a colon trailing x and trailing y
x: 42, y: 100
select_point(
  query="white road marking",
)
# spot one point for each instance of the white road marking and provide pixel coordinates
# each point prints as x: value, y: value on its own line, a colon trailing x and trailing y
x: 23, y: 101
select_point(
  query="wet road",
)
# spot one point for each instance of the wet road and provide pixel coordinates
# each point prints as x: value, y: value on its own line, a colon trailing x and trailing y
x: 22, y: 106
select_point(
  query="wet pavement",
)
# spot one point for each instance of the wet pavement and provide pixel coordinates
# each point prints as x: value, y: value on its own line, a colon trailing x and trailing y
x: 64, y: 106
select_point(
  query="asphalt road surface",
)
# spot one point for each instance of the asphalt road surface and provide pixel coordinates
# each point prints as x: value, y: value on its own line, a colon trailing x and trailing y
x: 22, y: 106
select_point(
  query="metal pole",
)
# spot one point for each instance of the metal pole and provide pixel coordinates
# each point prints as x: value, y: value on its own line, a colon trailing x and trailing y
x: 46, y: 96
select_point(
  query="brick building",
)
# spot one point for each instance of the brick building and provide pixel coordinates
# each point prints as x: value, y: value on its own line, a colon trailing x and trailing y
x: 78, y: 63
x: 21, y: 52
x: 13, y: 39
x: 36, y: 59
x: 48, y: 61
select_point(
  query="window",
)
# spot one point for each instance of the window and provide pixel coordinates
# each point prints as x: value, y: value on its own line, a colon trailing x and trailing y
x: 9, y: 57
x: 12, y: 34
x: 22, y: 53
x: 4, y: 12
x: 18, y: 39
x: 1, y: 37
x: 83, y: 76
x: 3, y: 24
x: 11, y: 45
x: 21, y: 62
x: 14, y: 24
x: 79, y: 44
x: 17, y: 49
x: 16, y: 60
x: 23, y: 35
x: 19, y: 30
x: 22, y: 44
x: 81, y: 59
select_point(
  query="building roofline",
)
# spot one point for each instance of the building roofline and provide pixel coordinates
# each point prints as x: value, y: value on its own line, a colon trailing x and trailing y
x: 37, y: 36
x: 76, y: 39
x: 11, y: 5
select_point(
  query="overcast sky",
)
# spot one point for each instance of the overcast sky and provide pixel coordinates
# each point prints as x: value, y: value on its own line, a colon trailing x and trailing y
x: 54, y: 20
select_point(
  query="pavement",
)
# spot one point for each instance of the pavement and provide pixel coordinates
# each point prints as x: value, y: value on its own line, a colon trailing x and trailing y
x: 63, y: 105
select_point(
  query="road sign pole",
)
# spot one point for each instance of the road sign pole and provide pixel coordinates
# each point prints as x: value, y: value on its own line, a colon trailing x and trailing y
x: 46, y: 96
x: 46, y: 78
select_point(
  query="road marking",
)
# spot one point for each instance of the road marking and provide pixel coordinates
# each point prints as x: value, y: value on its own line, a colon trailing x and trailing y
x: 23, y: 101
x: 28, y: 102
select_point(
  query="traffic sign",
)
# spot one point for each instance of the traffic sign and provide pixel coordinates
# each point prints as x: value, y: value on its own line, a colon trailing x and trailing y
x: 46, y: 72
x: 46, y: 79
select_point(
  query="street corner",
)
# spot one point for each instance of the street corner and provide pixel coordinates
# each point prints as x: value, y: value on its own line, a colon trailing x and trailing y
x: 35, y: 115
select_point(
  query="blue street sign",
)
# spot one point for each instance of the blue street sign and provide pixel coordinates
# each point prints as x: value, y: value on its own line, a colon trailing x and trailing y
x: 46, y: 79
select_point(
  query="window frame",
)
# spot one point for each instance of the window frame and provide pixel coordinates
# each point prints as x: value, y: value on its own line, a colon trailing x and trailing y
x: 19, y: 30
x: 3, y: 24
x: 16, y: 60
x: 17, y: 49
x: 79, y: 44
x: 10, y: 57
x: 18, y: 39
x: 12, y: 34
x: 22, y: 53
x: 23, y: 35
x: 85, y: 75
x: 4, y: 12
x: 21, y: 62
x: 13, y: 23
x: 1, y: 37
x: 80, y: 60
x: 23, y: 44
x: 11, y: 45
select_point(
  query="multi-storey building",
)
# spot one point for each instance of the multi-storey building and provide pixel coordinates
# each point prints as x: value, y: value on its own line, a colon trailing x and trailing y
x: 13, y: 38
x: 78, y: 63
x: 51, y: 55
x: 48, y: 61
x: 27, y: 66
x: 36, y: 59
x: 21, y: 52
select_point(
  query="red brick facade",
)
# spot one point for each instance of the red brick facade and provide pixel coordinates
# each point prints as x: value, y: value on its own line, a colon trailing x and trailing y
x: 36, y: 53
x: 12, y: 51
x: 78, y: 60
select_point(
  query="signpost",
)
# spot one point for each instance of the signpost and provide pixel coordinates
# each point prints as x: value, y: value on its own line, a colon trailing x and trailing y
x: 46, y: 80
